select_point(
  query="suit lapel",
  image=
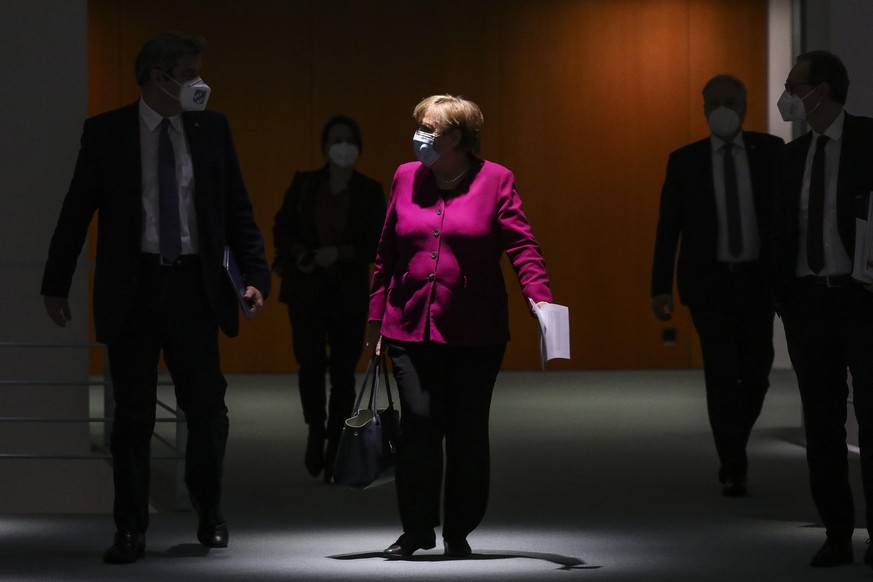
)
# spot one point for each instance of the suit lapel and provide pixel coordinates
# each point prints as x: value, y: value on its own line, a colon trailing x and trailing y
x: 758, y: 177
x: 130, y: 162
x: 704, y: 186
x: 193, y: 134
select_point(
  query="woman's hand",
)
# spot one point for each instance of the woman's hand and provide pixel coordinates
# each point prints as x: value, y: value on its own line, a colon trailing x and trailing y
x: 374, y: 338
x: 539, y: 305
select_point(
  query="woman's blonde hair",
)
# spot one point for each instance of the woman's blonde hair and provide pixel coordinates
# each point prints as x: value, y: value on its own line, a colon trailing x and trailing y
x: 451, y: 112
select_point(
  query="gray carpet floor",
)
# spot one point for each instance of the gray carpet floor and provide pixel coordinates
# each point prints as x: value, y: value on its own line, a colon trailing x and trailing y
x: 595, y: 476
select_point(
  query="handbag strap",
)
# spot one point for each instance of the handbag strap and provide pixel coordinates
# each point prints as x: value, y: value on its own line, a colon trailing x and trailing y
x: 387, y: 381
x: 367, y: 375
x: 371, y: 381
x: 381, y: 362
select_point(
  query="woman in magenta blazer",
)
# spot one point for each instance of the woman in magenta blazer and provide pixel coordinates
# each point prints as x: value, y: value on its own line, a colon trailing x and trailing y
x: 439, y: 302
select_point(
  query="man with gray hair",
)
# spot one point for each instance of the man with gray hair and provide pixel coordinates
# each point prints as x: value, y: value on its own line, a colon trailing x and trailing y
x: 715, y: 209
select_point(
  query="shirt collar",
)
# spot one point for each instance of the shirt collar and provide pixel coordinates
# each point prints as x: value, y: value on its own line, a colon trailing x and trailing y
x: 716, y: 143
x: 835, y: 129
x: 153, y: 119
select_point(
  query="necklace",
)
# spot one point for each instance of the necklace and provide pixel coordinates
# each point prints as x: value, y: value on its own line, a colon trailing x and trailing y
x: 456, y: 178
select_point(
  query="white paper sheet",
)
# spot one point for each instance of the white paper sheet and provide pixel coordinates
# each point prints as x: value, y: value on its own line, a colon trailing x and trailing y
x: 554, y: 323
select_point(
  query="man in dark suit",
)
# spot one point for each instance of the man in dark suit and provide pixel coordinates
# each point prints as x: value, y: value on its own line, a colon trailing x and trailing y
x: 716, y: 199
x: 826, y: 176
x: 163, y: 175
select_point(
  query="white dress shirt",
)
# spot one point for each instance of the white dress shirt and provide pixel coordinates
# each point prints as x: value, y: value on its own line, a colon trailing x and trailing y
x: 748, y: 216
x: 149, y: 131
x: 837, y: 261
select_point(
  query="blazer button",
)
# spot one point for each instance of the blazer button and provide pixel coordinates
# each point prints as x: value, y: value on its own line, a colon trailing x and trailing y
x: 436, y: 232
x: 433, y: 254
x: 431, y: 277
x: 439, y: 211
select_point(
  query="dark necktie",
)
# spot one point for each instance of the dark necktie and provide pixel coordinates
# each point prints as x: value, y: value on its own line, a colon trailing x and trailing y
x: 168, y: 197
x: 815, y: 224
x: 732, y: 202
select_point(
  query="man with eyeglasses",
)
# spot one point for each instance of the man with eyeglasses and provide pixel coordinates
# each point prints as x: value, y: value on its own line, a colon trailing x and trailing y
x: 825, y: 181
x: 715, y: 208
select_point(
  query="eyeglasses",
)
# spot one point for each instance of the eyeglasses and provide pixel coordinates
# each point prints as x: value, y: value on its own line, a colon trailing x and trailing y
x: 789, y: 87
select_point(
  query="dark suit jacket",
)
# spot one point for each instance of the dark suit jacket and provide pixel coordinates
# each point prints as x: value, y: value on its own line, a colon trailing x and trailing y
x: 688, y: 212
x: 854, y: 182
x: 107, y: 180
x: 295, y: 225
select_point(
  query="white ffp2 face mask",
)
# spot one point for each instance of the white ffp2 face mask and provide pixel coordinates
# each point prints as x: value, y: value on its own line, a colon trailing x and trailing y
x: 723, y: 122
x: 422, y: 145
x: 792, y: 107
x: 193, y: 94
x: 343, y: 154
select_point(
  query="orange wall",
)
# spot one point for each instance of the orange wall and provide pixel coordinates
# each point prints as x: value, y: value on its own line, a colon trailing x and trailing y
x: 583, y: 100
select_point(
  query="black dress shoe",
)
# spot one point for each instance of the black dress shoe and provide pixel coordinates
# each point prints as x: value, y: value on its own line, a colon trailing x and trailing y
x: 406, y: 545
x: 213, y: 535
x: 457, y: 549
x: 128, y: 547
x: 737, y: 488
x: 868, y: 554
x: 834, y: 552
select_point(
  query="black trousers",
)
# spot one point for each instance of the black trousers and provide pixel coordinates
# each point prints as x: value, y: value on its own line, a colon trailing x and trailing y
x: 735, y: 325
x: 328, y: 337
x: 829, y: 330
x: 170, y: 314
x: 445, y: 394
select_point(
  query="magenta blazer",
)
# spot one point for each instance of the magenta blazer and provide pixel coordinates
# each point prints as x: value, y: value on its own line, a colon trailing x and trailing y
x: 438, y: 274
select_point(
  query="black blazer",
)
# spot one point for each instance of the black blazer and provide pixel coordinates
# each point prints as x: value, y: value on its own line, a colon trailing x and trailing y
x: 108, y: 180
x: 688, y: 212
x: 295, y: 225
x: 854, y: 183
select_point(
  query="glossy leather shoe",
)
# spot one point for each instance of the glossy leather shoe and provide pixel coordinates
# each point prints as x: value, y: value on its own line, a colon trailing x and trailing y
x: 834, y: 552
x: 128, y: 547
x: 406, y: 545
x: 868, y: 554
x: 213, y: 535
x: 457, y: 549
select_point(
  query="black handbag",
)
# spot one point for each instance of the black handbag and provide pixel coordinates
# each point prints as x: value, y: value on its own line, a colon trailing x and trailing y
x: 368, y: 444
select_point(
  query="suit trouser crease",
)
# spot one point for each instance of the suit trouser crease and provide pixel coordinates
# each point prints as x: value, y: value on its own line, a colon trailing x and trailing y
x: 827, y: 331
x: 170, y: 314
x: 445, y: 395
x: 735, y: 326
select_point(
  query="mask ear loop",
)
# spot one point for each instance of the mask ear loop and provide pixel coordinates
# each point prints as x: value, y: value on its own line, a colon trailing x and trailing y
x: 813, y: 90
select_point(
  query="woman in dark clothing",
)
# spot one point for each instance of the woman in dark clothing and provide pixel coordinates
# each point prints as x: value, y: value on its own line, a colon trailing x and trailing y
x: 325, y: 236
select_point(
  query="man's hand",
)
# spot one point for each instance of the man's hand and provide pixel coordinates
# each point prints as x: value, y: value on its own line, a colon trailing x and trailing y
x: 58, y: 308
x: 662, y: 307
x: 255, y: 299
